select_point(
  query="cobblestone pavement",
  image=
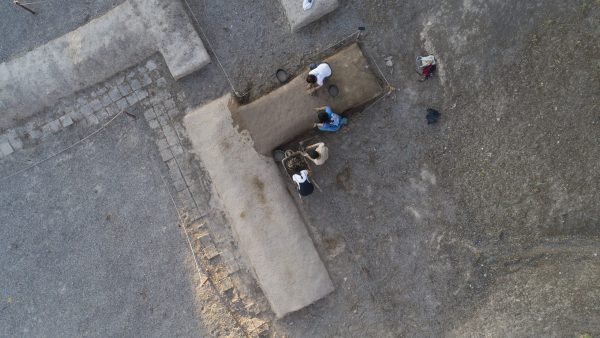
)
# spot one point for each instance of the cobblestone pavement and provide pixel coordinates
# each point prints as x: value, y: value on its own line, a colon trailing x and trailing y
x: 145, y: 98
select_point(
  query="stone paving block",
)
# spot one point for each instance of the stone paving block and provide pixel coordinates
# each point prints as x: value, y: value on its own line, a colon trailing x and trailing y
x: 142, y: 94
x: 16, y: 143
x: 99, y: 92
x: 132, y: 99
x: 96, y: 105
x: 204, y: 239
x: 155, y: 74
x: 131, y: 75
x: 124, y: 89
x: 5, y: 149
x: 153, y: 124
x: 122, y: 104
x: 161, y: 143
x: 146, y: 80
x: 35, y: 134
x: 154, y: 100
x: 112, y: 109
x: 81, y: 101
x: 149, y: 114
x: 135, y: 84
x: 177, y: 150
x: 232, y: 267
x: 185, y: 197
x: 151, y: 65
x: 86, y: 109
x: 118, y: 80
x: 105, y: 100
x: 166, y: 154
x: 92, y: 119
x: 210, y: 251
x: 167, y: 129
x: 225, y: 285
x: 173, y: 113
x: 169, y: 104
x: 66, y: 121
x: 76, y: 115
x: 179, y: 185
x: 173, y: 169
x: 195, y: 214
x: 54, y: 125
x: 102, y: 114
x: 172, y: 138
x: 114, y: 94
x: 13, y: 138
x: 163, y: 120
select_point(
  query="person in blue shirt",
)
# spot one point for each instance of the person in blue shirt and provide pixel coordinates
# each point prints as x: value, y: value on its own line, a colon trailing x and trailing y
x: 329, y: 120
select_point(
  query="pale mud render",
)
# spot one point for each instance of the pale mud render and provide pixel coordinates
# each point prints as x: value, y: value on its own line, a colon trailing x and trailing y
x: 266, y: 223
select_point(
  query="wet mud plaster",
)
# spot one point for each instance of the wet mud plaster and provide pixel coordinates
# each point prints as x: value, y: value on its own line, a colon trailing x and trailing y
x: 299, y: 18
x: 267, y: 224
x: 122, y: 37
x: 289, y: 111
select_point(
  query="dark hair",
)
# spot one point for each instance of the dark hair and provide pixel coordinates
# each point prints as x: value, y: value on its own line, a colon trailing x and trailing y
x: 313, y: 154
x: 324, y: 117
x: 311, y: 78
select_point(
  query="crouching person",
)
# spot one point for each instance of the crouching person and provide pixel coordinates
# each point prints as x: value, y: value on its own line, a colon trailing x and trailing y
x: 329, y: 120
x: 317, y: 153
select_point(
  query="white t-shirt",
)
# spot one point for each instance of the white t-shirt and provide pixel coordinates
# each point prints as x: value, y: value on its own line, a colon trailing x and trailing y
x: 300, y: 178
x: 321, y: 72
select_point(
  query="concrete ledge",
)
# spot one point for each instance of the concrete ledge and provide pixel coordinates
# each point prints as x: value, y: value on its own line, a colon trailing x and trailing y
x: 288, y: 111
x: 267, y: 224
x: 90, y: 54
x: 299, y: 18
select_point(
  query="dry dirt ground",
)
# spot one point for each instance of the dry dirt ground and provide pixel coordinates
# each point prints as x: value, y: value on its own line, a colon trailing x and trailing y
x: 486, y: 223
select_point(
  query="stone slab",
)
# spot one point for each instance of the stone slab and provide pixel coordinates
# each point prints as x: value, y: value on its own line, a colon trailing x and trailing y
x: 288, y: 112
x: 266, y: 222
x: 299, y: 18
x: 121, y: 38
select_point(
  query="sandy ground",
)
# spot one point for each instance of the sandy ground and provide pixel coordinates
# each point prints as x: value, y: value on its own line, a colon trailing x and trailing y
x: 490, y: 216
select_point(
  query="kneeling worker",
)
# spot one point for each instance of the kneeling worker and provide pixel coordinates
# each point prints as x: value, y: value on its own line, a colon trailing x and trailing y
x: 329, y: 120
x: 305, y: 188
x: 317, y: 153
x: 316, y: 77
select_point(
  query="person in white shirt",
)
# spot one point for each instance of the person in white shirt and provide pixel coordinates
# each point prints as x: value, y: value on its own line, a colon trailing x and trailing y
x: 305, y: 187
x: 318, y: 153
x: 316, y: 77
x: 307, y: 4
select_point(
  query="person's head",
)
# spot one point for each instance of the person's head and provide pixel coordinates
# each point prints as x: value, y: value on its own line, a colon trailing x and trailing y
x: 311, y: 79
x: 313, y: 154
x: 324, y: 117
